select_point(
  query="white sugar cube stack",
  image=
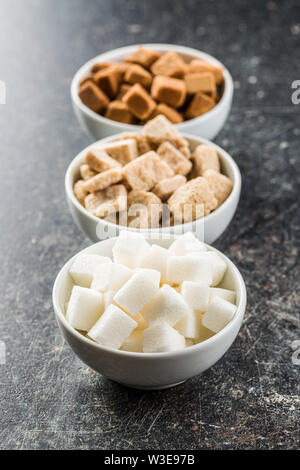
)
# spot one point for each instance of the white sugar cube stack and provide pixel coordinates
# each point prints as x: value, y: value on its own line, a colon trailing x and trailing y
x: 149, y: 299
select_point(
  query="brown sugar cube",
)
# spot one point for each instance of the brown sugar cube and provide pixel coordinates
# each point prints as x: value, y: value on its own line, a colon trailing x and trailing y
x: 192, y: 200
x: 137, y: 74
x: 200, y: 104
x: 118, y: 111
x: 123, y: 150
x: 185, y: 150
x: 142, y: 143
x: 103, y: 180
x: 99, y: 160
x: 165, y: 188
x: 139, y: 102
x: 174, y: 116
x: 146, y: 171
x: 220, y: 184
x: 123, y: 90
x: 179, y: 164
x: 142, y: 56
x: 147, y: 206
x: 108, y: 201
x: 86, y: 172
x: 198, y: 65
x: 100, y: 66
x: 92, y: 97
x: 204, y: 82
x: 89, y: 77
x: 205, y: 157
x: 169, y: 65
x: 160, y: 129
x: 108, y: 80
x: 79, y: 191
x: 168, y: 90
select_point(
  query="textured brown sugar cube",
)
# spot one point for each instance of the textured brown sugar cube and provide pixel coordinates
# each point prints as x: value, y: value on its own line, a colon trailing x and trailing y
x: 143, y: 56
x: 79, y: 191
x: 160, y: 129
x: 124, y: 87
x: 100, y: 66
x: 174, y: 116
x: 108, y: 201
x: 179, y: 164
x: 142, y: 143
x: 170, y: 65
x: 144, y: 209
x: 86, y: 172
x: 198, y: 65
x: 185, y: 150
x: 137, y: 74
x: 108, y: 80
x: 146, y: 171
x: 92, y: 97
x: 139, y: 102
x: 99, y: 160
x: 171, y: 91
x: 123, y: 150
x: 192, y: 200
x: 201, y: 81
x: 220, y: 184
x: 200, y: 104
x: 165, y: 188
x: 205, y: 157
x: 103, y: 180
x: 119, y: 111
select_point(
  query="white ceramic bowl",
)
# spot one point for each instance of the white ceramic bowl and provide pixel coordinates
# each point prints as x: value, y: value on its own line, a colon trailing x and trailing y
x: 207, y: 229
x: 149, y: 370
x: 208, y: 125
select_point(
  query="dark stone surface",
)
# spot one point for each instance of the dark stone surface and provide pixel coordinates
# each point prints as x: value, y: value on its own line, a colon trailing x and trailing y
x: 249, y: 399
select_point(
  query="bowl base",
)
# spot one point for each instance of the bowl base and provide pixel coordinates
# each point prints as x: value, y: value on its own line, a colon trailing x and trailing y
x: 151, y: 387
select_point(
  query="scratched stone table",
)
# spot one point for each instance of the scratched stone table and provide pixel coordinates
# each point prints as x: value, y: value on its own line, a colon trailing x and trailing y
x: 49, y: 399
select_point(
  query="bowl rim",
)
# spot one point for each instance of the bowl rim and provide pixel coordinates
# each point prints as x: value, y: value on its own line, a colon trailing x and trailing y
x: 238, y: 317
x: 105, y: 56
x: 187, y: 226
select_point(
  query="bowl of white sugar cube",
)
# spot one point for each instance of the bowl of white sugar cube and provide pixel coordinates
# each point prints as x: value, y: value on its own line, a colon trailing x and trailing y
x: 149, y: 313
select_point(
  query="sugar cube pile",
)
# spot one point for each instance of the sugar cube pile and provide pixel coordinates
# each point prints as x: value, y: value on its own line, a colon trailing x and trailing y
x: 150, y: 299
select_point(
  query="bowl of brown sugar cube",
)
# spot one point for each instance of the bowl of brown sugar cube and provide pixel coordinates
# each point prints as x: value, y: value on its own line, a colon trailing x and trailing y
x: 156, y: 181
x: 123, y: 89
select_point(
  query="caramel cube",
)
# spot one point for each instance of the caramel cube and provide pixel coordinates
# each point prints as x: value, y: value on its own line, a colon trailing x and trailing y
x: 100, y: 66
x: 198, y: 65
x: 169, y: 65
x: 93, y: 97
x: 108, y: 80
x: 220, y: 185
x: 144, y: 57
x: 99, y: 160
x: 200, y: 104
x: 124, y: 87
x: 174, y: 116
x: 145, y: 172
x: 103, y: 180
x: 87, y: 78
x: 165, y: 188
x: 168, y: 90
x: 106, y: 202
x: 179, y: 164
x: 118, y: 111
x: 139, y: 102
x: 201, y: 81
x: 137, y: 74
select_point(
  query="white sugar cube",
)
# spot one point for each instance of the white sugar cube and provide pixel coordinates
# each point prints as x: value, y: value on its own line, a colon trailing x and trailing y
x: 189, y: 326
x: 113, y: 327
x: 156, y: 258
x: 110, y: 276
x: 134, y: 342
x: 162, y: 338
x: 218, y: 314
x: 84, y: 308
x: 196, y: 294
x: 130, y: 248
x: 189, y: 268
x: 166, y: 306
x: 140, y: 288
x: 186, y: 243
x: 218, y: 265
x: 83, y: 268
x: 108, y: 297
x: 225, y: 294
